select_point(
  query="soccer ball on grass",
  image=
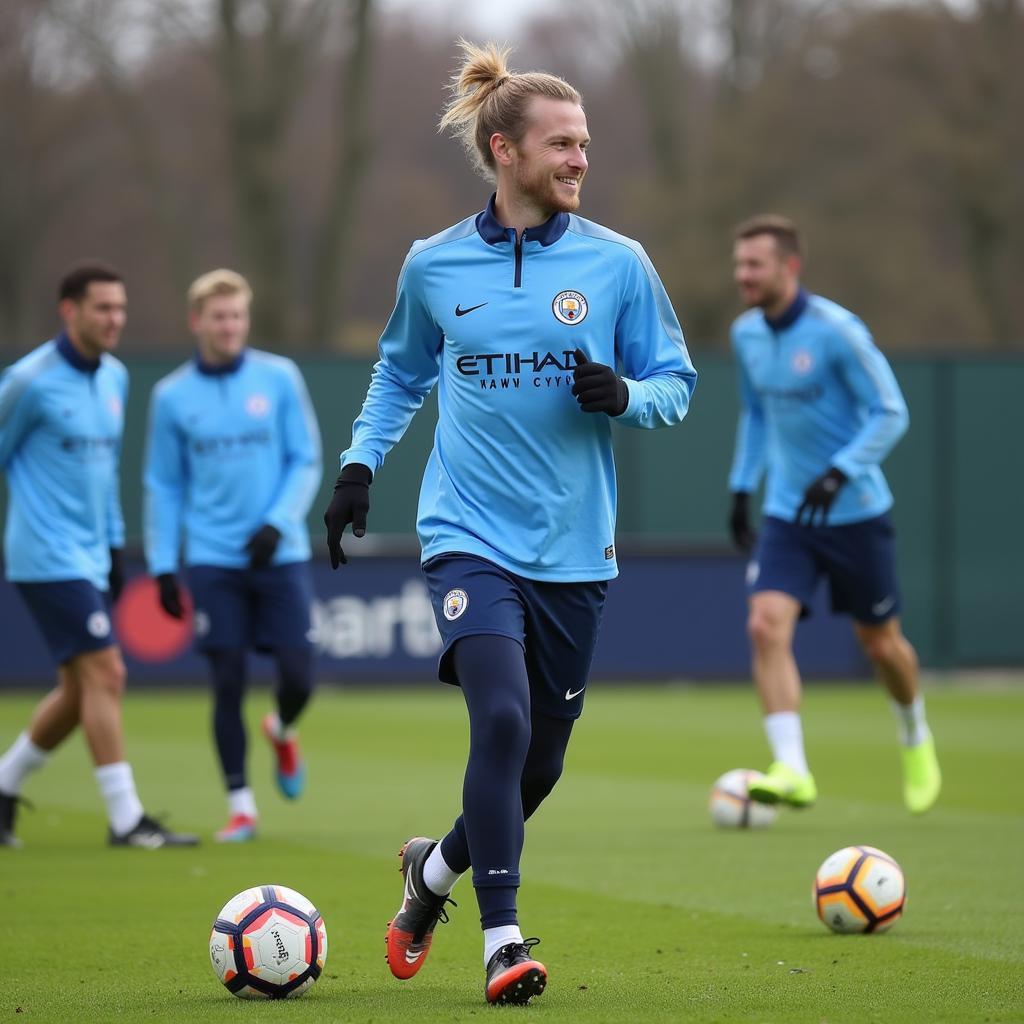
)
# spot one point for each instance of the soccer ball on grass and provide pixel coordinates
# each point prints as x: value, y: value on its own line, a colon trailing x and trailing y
x: 859, y: 889
x: 268, y: 942
x: 730, y: 803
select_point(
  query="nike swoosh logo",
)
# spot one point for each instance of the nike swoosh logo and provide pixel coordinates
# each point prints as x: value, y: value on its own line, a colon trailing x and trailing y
x: 569, y: 694
x: 459, y: 311
x: 883, y: 606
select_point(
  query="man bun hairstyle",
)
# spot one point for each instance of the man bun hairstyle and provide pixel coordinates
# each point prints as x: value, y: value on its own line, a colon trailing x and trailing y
x: 487, y: 97
x: 75, y: 282
x: 782, y: 229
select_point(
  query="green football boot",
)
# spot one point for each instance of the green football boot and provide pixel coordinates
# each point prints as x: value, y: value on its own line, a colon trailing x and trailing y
x: 782, y: 785
x: 922, y: 779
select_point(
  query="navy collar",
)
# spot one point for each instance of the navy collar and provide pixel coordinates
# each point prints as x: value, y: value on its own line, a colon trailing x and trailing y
x: 219, y: 371
x: 791, y: 315
x: 73, y: 356
x: 492, y: 231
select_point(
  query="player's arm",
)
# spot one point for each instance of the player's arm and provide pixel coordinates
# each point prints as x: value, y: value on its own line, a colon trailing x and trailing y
x: 115, y: 515
x: 18, y: 411
x: 748, y: 460
x: 165, y: 479
x: 869, y: 376
x: 657, y: 371
x: 303, y: 466
x: 405, y: 373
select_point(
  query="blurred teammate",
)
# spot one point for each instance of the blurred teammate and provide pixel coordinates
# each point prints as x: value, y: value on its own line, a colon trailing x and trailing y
x: 232, y: 465
x: 820, y: 410
x: 61, y: 420
x: 520, y: 313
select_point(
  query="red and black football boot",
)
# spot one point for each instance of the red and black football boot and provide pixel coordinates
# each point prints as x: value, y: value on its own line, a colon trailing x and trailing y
x: 513, y: 976
x: 411, y: 930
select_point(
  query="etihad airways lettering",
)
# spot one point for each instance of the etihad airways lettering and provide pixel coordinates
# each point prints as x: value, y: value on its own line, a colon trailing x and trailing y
x: 514, y: 362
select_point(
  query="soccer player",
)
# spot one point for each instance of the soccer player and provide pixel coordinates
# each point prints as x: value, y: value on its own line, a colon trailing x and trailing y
x: 232, y: 465
x: 520, y: 313
x: 61, y: 420
x: 820, y: 410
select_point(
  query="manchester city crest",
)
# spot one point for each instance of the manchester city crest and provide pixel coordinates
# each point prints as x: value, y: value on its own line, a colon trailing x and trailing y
x: 569, y: 307
x: 455, y: 603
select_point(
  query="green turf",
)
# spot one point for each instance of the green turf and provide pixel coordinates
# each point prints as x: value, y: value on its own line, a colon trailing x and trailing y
x: 646, y: 911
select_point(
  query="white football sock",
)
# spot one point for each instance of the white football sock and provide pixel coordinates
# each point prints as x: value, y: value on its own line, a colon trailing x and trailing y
x: 910, y: 717
x: 22, y: 758
x: 495, y: 938
x: 439, y: 878
x: 117, y: 785
x: 786, y: 738
x: 279, y: 730
x: 242, y: 801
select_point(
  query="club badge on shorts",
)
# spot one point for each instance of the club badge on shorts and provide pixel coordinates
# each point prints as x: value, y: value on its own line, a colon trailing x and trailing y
x: 569, y: 307
x: 455, y: 603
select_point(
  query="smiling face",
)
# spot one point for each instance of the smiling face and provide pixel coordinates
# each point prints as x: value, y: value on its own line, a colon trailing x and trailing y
x: 95, y: 321
x: 545, y: 169
x: 764, y: 275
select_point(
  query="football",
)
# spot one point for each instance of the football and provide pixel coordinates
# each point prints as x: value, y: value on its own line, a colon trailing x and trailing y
x: 268, y: 942
x: 859, y: 889
x: 731, y: 806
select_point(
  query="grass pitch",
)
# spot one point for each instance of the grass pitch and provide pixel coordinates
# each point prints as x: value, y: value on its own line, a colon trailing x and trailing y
x: 645, y: 910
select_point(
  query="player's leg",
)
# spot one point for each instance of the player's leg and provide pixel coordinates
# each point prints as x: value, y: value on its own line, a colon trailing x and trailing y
x: 865, y: 584
x: 223, y: 626
x: 895, y: 661
x: 284, y: 597
x: 781, y: 579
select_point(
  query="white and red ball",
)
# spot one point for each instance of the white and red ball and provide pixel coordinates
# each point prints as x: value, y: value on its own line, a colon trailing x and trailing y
x: 268, y: 942
x: 730, y: 804
x: 860, y: 889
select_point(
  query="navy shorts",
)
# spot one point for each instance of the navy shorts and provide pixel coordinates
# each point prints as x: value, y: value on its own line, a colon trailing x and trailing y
x: 266, y: 609
x: 556, y: 624
x: 857, y: 559
x: 73, y: 616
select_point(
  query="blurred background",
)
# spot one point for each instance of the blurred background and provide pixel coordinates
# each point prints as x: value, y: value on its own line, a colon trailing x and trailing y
x: 295, y: 141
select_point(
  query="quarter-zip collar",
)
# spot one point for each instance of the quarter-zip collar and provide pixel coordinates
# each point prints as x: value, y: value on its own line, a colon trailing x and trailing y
x: 67, y: 349
x: 222, y: 370
x: 791, y: 315
x: 492, y: 231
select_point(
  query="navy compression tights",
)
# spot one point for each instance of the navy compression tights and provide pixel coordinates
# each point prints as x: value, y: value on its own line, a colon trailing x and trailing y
x: 228, y: 669
x: 515, y: 759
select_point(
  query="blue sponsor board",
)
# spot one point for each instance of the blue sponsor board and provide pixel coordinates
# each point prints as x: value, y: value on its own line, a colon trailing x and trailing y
x: 668, y: 616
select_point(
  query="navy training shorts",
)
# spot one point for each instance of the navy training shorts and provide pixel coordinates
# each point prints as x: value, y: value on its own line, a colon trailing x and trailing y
x: 556, y: 624
x: 265, y: 609
x: 72, y: 615
x: 857, y: 559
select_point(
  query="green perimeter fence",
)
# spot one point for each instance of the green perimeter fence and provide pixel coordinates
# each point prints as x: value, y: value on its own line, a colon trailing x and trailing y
x: 957, y: 477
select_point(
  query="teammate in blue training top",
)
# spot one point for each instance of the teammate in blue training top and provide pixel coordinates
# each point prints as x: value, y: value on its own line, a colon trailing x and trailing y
x: 233, y: 464
x: 520, y: 314
x: 820, y: 410
x: 61, y: 420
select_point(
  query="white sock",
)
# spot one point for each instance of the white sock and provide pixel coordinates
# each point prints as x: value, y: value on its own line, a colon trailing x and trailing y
x: 786, y: 738
x: 278, y: 730
x: 910, y: 717
x: 22, y: 758
x: 242, y: 801
x: 118, y: 788
x: 495, y: 938
x: 439, y: 878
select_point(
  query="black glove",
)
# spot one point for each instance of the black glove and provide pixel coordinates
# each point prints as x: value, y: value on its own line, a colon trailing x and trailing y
x: 170, y: 595
x: 743, y: 534
x: 262, y: 545
x: 819, y: 497
x: 350, y: 504
x: 116, y: 577
x: 598, y: 388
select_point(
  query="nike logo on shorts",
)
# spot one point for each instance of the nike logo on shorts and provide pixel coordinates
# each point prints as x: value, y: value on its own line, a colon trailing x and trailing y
x: 569, y: 695
x: 883, y: 606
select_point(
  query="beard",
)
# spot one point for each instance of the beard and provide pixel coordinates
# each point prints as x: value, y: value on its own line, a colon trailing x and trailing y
x: 543, y: 191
